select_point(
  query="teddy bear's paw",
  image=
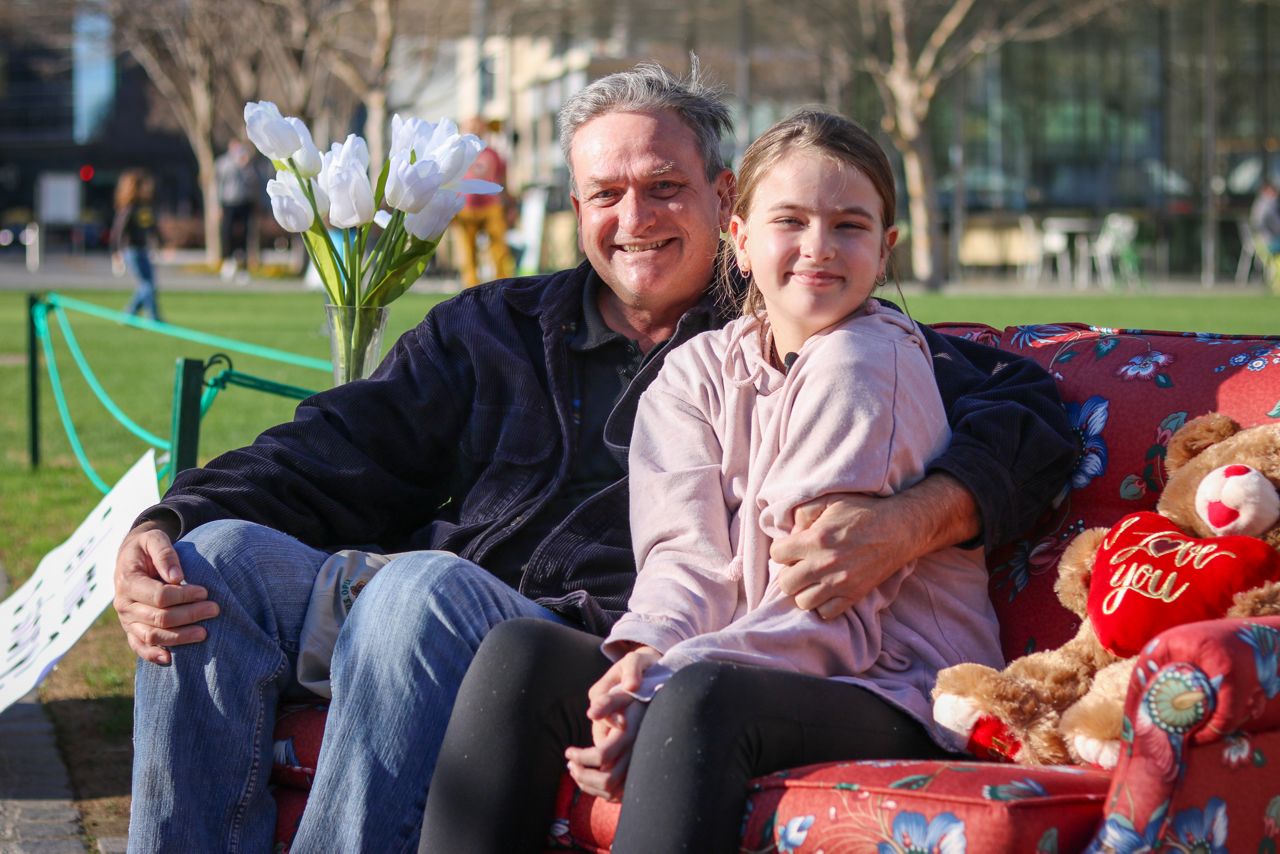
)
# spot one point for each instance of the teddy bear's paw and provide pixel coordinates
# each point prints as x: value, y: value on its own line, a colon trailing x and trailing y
x: 1104, y: 753
x: 955, y: 713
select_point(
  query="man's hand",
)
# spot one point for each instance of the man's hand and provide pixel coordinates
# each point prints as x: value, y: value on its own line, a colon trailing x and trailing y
x: 843, y: 546
x: 615, y: 715
x: 156, y: 608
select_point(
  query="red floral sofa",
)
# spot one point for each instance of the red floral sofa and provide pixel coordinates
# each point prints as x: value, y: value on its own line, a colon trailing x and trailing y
x: 1199, y: 770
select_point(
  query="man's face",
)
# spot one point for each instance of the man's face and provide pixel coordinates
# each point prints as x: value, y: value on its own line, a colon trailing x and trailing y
x: 649, y: 221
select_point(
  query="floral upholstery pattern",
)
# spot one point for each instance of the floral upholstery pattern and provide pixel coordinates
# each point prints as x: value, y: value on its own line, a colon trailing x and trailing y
x: 896, y: 806
x: 1202, y: 737
x: 1126, y: 391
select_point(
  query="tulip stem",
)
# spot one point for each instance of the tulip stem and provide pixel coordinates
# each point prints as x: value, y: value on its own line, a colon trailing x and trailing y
x: 353, y: 269
x: 305, y: 183
x: 385, y: 248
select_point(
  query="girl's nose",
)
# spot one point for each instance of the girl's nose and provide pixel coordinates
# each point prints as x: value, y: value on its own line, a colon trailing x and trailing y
x: 816, y: 243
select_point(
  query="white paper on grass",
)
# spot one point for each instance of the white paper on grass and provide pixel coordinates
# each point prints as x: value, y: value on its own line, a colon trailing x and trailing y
x: 73, y: 584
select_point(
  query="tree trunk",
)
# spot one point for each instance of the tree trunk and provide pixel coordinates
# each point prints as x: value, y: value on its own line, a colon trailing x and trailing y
x: 926, y: 233
x: 212, y: 208
x: 375, y: 123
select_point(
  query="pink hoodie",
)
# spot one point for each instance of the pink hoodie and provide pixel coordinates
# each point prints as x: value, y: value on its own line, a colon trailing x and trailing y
x: 726, y: 446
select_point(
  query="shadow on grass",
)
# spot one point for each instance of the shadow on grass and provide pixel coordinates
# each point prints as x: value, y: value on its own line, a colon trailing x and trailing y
x: 94, y: 736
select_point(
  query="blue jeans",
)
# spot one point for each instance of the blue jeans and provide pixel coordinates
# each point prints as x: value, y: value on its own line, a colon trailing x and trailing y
x: 144, y: 295
x: 203, y: 725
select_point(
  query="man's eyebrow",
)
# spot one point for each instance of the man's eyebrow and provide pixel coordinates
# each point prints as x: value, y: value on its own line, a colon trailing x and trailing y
x: 604, y: 180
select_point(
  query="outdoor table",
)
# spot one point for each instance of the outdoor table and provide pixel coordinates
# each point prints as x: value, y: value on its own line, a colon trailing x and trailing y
x: 1079, y: 230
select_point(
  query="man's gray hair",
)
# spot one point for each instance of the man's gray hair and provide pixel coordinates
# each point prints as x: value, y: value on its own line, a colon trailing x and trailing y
x: 649, y: 88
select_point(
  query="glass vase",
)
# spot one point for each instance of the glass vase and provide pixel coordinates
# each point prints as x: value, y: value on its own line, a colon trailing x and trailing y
x: 355, y: 339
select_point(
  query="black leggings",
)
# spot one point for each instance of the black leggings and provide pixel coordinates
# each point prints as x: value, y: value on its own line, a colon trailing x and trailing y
x: 707, y: 733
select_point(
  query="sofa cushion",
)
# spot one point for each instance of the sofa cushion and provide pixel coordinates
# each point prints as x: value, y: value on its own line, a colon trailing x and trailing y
x: 860, y: 806
x: 1126, y: 391
x: 296, y: 748
x: 926, y: 806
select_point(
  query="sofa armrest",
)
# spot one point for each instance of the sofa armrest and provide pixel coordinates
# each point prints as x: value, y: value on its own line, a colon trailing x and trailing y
x: 1202, y: 712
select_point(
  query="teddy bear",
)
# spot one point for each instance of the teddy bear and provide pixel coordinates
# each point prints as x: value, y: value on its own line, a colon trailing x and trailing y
x: 1212, y: 550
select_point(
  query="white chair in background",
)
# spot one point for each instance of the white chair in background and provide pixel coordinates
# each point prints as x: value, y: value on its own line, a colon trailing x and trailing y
x: 1113, y: 250
x: 1048, y: 242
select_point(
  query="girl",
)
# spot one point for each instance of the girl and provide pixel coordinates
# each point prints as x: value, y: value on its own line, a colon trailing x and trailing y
x: 132, y: 233
x: 717, y: 676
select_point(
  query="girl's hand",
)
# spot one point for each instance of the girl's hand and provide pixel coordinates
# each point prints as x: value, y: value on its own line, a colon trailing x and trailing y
x: 612, y: 692
x: 601, y: 770
x: 615, y: 715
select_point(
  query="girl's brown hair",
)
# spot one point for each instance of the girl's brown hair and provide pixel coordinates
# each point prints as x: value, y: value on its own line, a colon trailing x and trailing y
x: 135, y: 186
x: 841, y: 139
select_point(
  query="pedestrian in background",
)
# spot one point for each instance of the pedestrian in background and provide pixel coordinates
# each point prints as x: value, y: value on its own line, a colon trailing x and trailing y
x: 239, y: 187
x: 1264, y: 222
x: 487, y: 213
x: 132, y: 233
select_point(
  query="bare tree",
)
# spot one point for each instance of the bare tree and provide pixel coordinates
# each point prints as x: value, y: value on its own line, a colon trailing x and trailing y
x: 909, y: 49
x: 186, y: 50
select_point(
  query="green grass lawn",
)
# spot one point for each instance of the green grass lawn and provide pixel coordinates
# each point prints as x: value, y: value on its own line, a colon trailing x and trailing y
x: 39, y: 508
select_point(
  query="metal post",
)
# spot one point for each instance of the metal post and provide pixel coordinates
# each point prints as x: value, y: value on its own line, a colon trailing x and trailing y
x: 1209, y: 237
x: 33, y: 382
x: 34, y: 249
x: 188, y: 385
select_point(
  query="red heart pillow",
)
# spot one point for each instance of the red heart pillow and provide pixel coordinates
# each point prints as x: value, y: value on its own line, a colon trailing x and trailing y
x: 1149, y: 576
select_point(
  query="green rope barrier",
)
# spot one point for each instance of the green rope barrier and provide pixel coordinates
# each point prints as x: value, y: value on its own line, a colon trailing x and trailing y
x: 78, y: 355
x: 55, y: 380
x: 59, y: 304
x: 232, y: 377
x: 183, y: 333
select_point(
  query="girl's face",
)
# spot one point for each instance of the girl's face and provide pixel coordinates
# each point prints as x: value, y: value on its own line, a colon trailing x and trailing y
x: 814, y: 243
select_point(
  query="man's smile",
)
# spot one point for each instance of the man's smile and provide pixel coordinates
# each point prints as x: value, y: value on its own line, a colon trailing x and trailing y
x: 643, y: 247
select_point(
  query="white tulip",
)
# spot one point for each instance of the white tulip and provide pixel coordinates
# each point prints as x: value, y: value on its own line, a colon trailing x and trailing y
x: 269, y: 131
x: 353, y: 149
x: 410, y: 185
x: 455, y: 154
x: 307, y: 157
x: 405, y: 132
x: 430, y: 222
x: 344, y: 176
x: 289, y: 204
x: 441, y: 143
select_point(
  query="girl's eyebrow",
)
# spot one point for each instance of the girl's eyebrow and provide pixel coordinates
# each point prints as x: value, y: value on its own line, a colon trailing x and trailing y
x: 853, y: 210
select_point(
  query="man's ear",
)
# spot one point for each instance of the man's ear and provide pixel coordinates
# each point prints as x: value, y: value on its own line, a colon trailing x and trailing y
x: 726, y: 186
x: 577, y: 215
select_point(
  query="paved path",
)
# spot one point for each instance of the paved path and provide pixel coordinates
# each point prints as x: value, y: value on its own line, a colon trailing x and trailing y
x: 36, y: 813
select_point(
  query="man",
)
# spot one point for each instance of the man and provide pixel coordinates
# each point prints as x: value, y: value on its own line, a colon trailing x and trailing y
x: 495, y: 434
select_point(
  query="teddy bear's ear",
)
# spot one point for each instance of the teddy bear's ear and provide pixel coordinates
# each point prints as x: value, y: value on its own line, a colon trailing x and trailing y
x: 1196, y: 435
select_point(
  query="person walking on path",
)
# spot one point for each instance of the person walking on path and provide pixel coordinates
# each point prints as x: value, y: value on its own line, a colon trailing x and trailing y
x: 132, y: 234
x: 239, y: 186
x: 484, y: 213
x: 1264, y: 222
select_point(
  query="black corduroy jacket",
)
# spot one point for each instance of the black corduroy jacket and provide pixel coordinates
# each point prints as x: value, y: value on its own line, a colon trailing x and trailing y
x: 466, y: 428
